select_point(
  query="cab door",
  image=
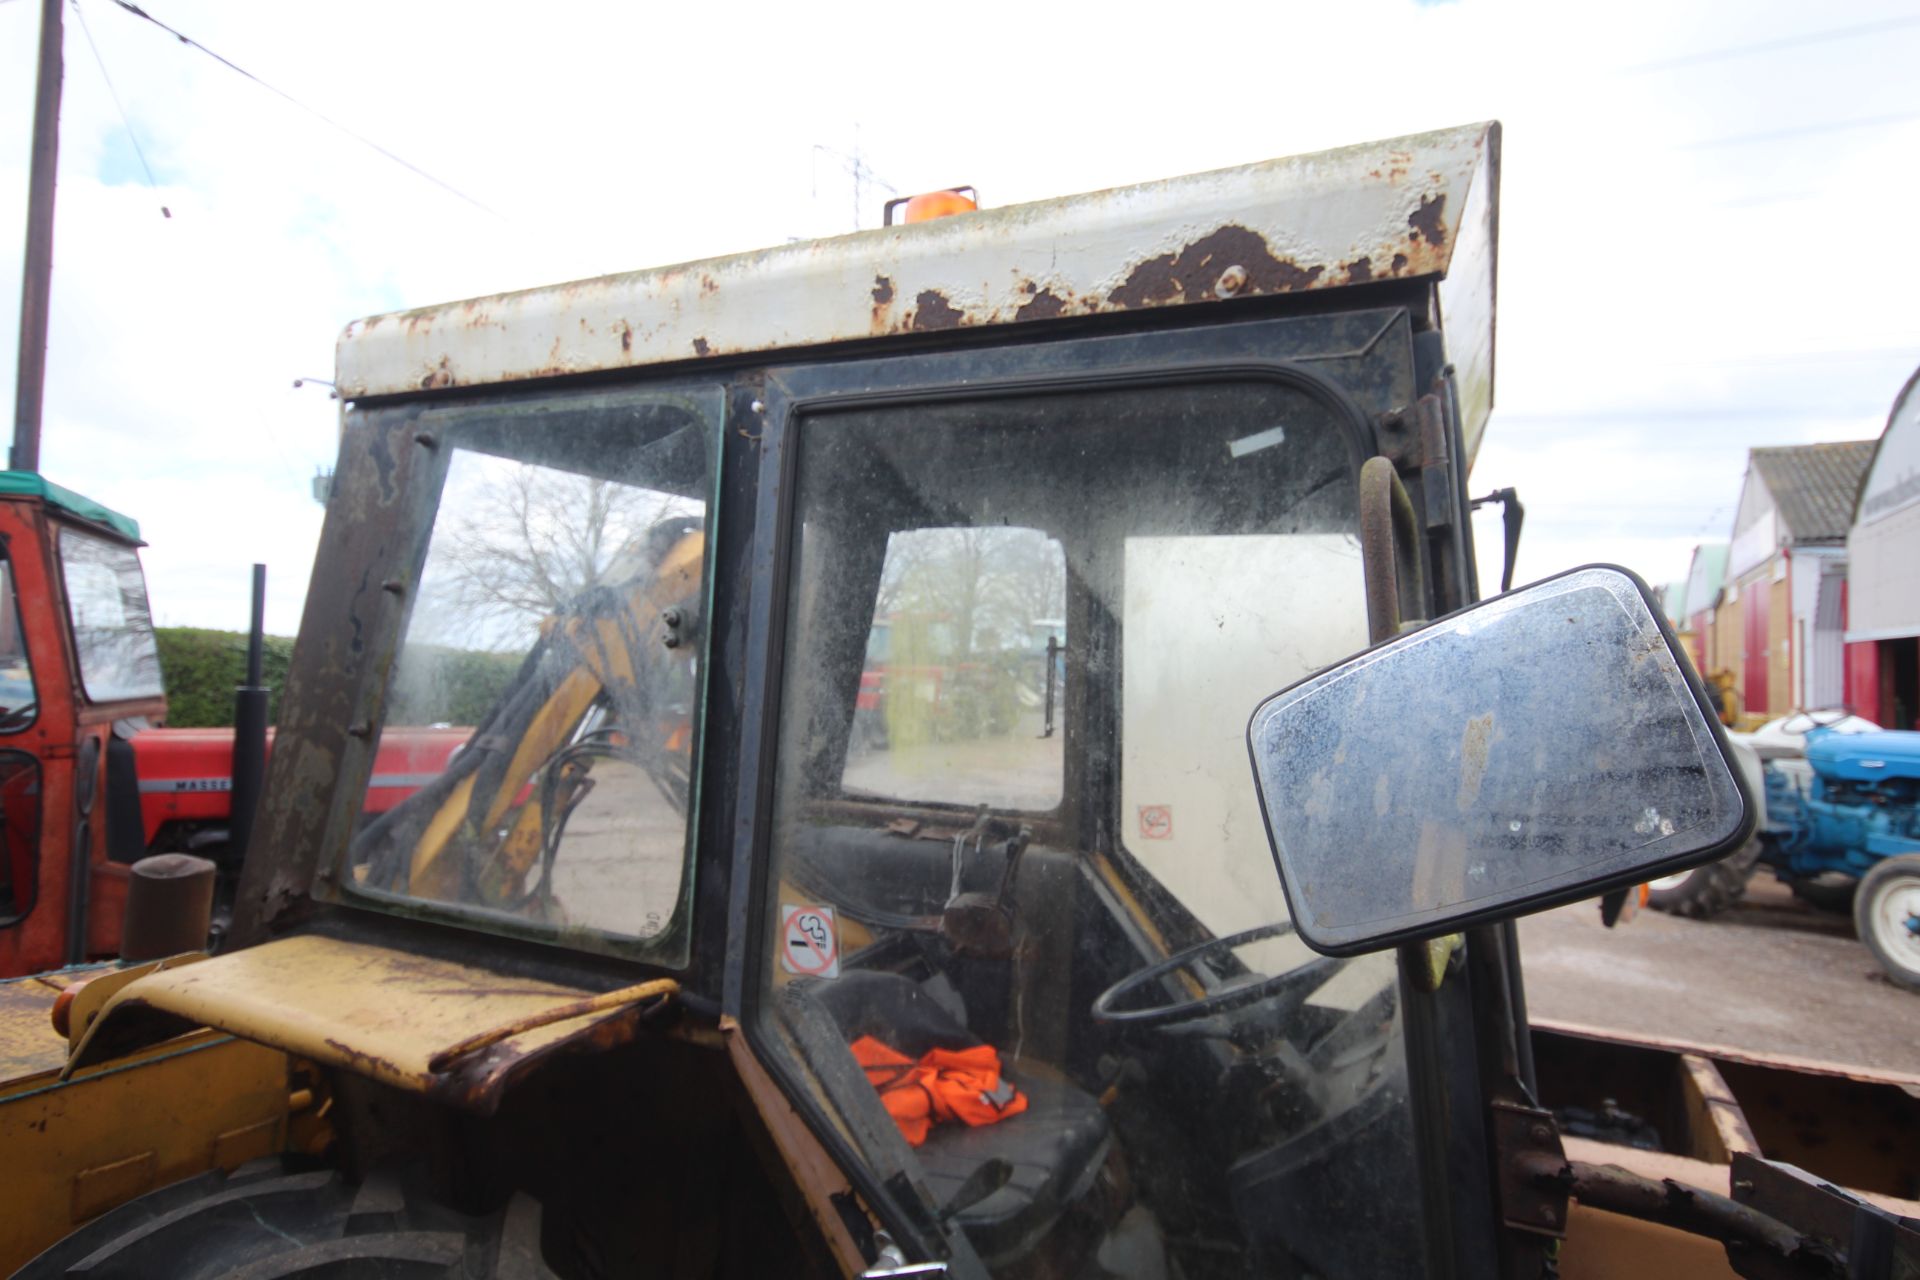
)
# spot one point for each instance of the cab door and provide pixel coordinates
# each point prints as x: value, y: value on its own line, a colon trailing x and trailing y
x: 961, y: 926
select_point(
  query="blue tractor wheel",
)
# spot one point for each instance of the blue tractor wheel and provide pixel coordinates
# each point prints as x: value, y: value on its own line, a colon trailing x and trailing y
x: 1886, y: 912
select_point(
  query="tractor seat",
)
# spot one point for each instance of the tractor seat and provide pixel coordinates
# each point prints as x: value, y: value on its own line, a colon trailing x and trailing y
x: 1056, y: 1147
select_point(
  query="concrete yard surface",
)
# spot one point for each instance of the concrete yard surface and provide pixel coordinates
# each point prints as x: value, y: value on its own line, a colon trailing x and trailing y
x: 1769, y: 976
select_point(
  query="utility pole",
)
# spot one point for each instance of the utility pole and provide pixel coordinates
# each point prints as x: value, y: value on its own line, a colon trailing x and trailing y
x: 36, y: 276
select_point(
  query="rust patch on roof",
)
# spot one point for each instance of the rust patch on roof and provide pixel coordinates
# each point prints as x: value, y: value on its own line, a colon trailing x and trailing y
x: 626, y: 336
x: 932, y: 311
x: 1360, y: 270
x: 700, y: 347
x: 1191, y: 274
x: 1399, y: 263
x: 882, y: 290
x: 439, y: 376
x: 1427, y: 222
x: 708, y: 285
x: 1044, y: 305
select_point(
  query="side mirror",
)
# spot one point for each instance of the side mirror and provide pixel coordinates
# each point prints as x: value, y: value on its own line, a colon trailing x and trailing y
x: 1546, y: 745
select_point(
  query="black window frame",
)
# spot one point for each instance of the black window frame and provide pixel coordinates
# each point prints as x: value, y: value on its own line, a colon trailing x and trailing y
x: 407, y: 536
x: 1285, y: 349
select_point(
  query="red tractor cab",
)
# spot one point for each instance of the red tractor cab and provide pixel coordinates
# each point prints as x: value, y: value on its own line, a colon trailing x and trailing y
x: 79, y: 675
x: 89, y: 781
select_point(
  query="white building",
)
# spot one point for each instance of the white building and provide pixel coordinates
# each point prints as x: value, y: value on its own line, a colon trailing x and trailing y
x: 1883, y: 628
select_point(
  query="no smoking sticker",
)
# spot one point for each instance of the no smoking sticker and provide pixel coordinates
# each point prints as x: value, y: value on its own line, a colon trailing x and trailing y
x: 809, y: 941
x: 1156, y: 821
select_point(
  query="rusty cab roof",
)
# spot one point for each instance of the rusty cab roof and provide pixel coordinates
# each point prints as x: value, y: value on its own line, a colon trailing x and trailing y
x: 1422, y: 207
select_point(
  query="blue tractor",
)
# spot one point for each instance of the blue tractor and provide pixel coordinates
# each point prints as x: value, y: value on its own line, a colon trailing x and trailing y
x: 1853, y: 810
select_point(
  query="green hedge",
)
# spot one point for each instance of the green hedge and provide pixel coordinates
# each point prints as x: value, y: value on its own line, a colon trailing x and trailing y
x: 434, y: 685
x: 200, y: 669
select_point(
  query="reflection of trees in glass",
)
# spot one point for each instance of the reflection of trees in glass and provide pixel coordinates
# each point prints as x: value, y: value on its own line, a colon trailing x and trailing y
x: 528, y: 540
x: 959, y: 607
x: 986, y: 586
x: 514, y: 545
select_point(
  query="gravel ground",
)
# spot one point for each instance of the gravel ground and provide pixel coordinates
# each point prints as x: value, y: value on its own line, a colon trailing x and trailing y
x: 1771, y: 975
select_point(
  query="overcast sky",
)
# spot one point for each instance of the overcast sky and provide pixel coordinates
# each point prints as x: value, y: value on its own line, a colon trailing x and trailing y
x: 1707, y: 223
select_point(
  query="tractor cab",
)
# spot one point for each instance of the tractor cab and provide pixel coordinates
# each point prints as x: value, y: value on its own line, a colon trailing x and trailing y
x: 79, y: 673
x: 857, y: 642
x: 869, y: 631
x: 852, y: 843
x: 850, y: 859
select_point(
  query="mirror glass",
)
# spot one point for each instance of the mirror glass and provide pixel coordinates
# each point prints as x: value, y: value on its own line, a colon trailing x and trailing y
x: 1542, y: 746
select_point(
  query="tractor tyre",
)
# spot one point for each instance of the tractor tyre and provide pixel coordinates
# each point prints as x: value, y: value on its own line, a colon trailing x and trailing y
x: 1886, y: 913
x: 1706, y: 891
x: 1832, y: 892
x: 261, y: 1221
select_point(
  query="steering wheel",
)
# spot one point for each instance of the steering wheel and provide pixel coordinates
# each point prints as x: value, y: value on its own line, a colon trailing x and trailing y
x: 1305, y: 977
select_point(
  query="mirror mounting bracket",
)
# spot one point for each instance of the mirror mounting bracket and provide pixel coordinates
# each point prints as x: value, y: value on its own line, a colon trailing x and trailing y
x: 1529, y: 1160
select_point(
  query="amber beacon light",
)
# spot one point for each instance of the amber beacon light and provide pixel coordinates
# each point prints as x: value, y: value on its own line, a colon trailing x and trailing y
x: 929, y: 205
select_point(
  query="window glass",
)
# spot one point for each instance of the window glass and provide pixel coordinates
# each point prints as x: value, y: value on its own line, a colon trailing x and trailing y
x: 19, y: 701
x: 112, y: 630
x: 955, y: 699
x: 19, y: 835
x: 1270, y: 609
x: 957, y: 927
x: 534, y: 773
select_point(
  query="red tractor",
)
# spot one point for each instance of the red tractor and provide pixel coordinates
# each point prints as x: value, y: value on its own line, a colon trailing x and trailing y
x: 89, y: 782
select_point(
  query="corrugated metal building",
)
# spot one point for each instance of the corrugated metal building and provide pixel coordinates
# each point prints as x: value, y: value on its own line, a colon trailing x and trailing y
x: 1883, y: 629
x: 1785, y: 598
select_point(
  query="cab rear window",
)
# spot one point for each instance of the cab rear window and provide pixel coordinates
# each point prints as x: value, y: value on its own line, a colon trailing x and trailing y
x: 112, y: 628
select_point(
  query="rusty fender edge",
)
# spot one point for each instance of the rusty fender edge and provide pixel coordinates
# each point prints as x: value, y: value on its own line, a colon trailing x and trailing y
x: 456, y: 1033
x: 1698, y: 1212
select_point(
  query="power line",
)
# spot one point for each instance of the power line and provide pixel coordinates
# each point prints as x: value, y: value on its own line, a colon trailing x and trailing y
x: 1802, y: 130
x: 362, y: 139
x: 120, y: 106
x: 1770, y: 46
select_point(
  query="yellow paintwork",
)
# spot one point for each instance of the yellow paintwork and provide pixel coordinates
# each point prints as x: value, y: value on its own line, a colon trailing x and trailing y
x: 70, y: 1150
x: 28, y: 1042
x: 606, y: 650
x: 380, y: 1013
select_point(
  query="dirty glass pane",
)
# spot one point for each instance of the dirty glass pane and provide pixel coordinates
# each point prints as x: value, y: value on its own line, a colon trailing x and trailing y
x: 938, y: 937
x: 954, y: 697
x: 112, y: 630
x: 18, y: 700
x: 534, y: 771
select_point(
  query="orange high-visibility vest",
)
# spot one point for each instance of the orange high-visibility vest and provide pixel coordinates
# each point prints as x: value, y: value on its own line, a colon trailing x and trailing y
x: 945, y: 1084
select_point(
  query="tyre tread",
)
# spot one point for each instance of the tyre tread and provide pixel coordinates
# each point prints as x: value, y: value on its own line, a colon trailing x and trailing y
x: 1711, y: 889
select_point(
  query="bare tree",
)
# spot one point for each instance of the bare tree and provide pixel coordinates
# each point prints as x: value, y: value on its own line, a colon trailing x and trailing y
x: 987, y: 584
x: 529, y: 540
